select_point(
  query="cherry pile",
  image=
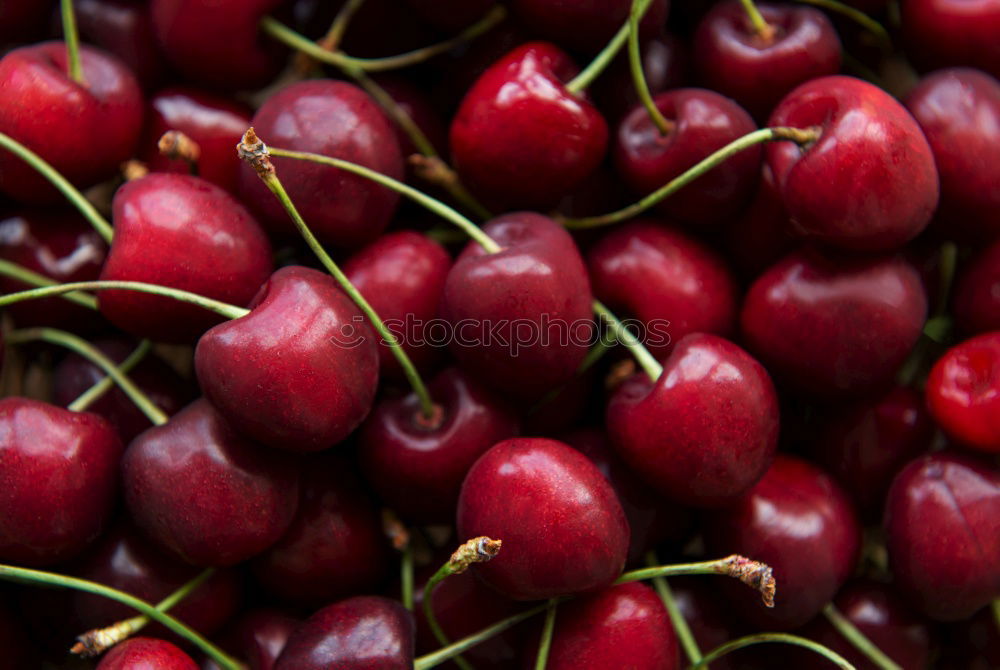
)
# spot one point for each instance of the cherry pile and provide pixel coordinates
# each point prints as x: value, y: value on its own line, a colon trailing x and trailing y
x: 298, y: 297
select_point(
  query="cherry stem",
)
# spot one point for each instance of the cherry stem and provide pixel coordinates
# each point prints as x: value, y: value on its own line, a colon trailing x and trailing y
x: 95, y: 392
x: 625, y: 336
x: 97, y: 641
x: 753, y: 573
x: 15, y: 271
x: 859, y: 17
x: 858, y: 639
x: 72, y: 37
x: 175, y: 145
x: 586, y: 77
x: 764, y: 30
x: 94, y: 355
x: 71, y: 192
x: 638, y: 76
x: 545, y: 644
x: 255, y: 152
x: 406, y: 576
x: 798, y: 135
x: 299, y: 42
x: 784, y: 638
x: 594, y: 354
x: 681, y: 627
x: 335, y: 34
x: 221, y: 308
x: 24, y: 575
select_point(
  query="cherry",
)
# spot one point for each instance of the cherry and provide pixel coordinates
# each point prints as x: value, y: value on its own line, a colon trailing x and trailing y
x: 520, y: 138
x: 337, y: 119
x: 977, y: 292
x: 664, y: 65
x: 361, y: 633
x: 522, y: 316
x: 200, y: 490
x: 869, y: 182
x: 702, y: 122
x: 141, y: 653
x: 300, y: 371
x: 586, y: 26
x: 259, y: 636
x: 664, y: 278
x: 125, y: 29
x: 562, y: 527
x: 57, y: 466
x: 711, y: 621
x: 940, y: 33
x: 963, y: 392
x: 417, y: 463
x: 941, y: 522
x: 757, y: 70
x: 834, y: 325
x: 799, y: 522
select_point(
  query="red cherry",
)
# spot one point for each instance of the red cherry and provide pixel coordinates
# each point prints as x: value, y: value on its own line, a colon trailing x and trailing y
x: 963, y: 392
x: 939, y: 33
x: 977, y: 292
x: 141, y: 653
x: 259, y: 636
x: 586, y: 26
x: 125, y: 29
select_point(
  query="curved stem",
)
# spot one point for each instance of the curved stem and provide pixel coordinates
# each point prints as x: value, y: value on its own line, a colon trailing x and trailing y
x: 455, y: 648
x: 27, y: 576
x: 91, y: 395
x: 73, y: 66
x: 15, y: 271
x: 784, y: 638
x: 625, y: 336
x: 858, y: 639
x: 681, y: 627
x: 221, y: 308
x: 859, y: 17
x: 71, y: 192
x: 94, y: 355
x: 764, y: 30
x: 331, y: 40
x: 394, y: 110
x: 638, y: 76
x: 753, y: 573
x: 545, y: 644
x: 600, y: 63
x: 797, y: 135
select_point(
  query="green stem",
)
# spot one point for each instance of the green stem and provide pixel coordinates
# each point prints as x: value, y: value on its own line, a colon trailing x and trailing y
x: 859, y: 17
x: 445, y: 571
x: 625, y: 336
x: 27, y: 576
x: 580, y: 82
x: 681, y: 627
x: 545, y: 644
x: 221, y: 308
x: 757, y: 22
x: 858, y: 639
x: 15, y: 271
x: 783, y: 638
x: 753, y: 573
x: 406, y: 576
x: 73, y: 66
x: 638, y: 76
x: 796, y: 135
x: 91, y: 395
x: 94, y: 355
x: 335, y: 34
x: 78, y: 200
x: 394, y: 110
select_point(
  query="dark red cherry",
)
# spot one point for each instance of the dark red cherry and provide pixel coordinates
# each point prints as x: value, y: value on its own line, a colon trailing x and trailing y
x: 963, y: 392
x: 711, y: 620
x: 562, y: 527
x: 58, y: 476
x: 143, y: 653
x: 671, y: 282
x: 704, y: 121
x: 664, y: 64
x: 362, y: 633
x: 519, y: 138
x: 204, y: 492
x: 336, y: 119
x: 942, y: 522
x: 940, y: 33
x: 586, y: 26
x: 414, y: 100
x: 83, y: 131
x: 124, y: 28
x: 869, y: 182
x: 300, y: 371
x: 834, y: 325
x: 417, y: 463
x: 798, y: 521
x: 706, y: 430
x: 959, y: 111
x: 215, y: 123
x: 757, y: 71
x: 259, y: 636
x: 976, y: 301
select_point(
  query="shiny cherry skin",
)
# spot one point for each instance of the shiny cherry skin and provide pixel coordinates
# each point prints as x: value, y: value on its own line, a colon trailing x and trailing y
x: 205, y: 493
x: 706, y: 430
x: 402, y: 276
x: 417, y: 463
x: 519, y: 138
x: 963, y: 392
x: 562, y: 526
x: 125, y: 29
x: 942, y: 523
x: 57, y: 466
x: 801, y: 523
x: 586, y: 26
x: 335, y: 546
x: 832, y: 325
x: 300, y: 371
x: 868, y: 183
x: 959, y: 111
x: 756, y: 72
x: 704, y: 121
x: 142, y: 653
x: 185, y: 233
x: 361, y: 633
x: 940, y: 33
x: 83, y: 131
x: 522, y: 317
x: 664, y: 278
x: 976, y: 301
x: 214, y: 122
x: 336, y: 119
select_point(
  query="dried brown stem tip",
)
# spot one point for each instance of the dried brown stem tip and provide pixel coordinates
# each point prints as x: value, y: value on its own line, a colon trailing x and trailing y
x: 433, y: 170
x: 754, y: 574
x: 476, y: 550
x: 176, y: 145
x: 395, y: 530
x: 95, y: 642
x: 619, y: 373
x: 254, y: 152
x: 133, y: 169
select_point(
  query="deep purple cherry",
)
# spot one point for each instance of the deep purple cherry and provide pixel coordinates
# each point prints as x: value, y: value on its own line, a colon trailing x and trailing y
x: 142, y: 653
x: 259, y: 636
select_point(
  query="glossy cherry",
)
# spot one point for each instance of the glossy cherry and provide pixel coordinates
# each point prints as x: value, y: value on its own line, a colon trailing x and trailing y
x: 125, y: 29
x: 586, y: 26
x: 562, y: 526
x: 800, y: 522
x: 207, y: 494
x: 834, y: 325
x: 300, y: 371
x: 976, y: 301
x: 258, y: 636
x: 963, y: 392
x: 664, y: 63
x: 942, y: 522
x: 57, y: 466
x: 141, y: 653
x: 939, y: 33
x: 519, y: 138
x: 362, y: 633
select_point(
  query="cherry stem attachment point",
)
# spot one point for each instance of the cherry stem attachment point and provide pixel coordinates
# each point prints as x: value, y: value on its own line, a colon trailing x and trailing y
x: 175, y: 145
x: 761, y: 27
x: 662, y: 124
x: 95, y: 392
x: 15, y: 271
x: 684, y: 634
x: 858, y: 639
x: 74, y: 67
x: 754, y: 574
x: 545, y: 644
x: 627, y: 338
x: 586, y: 77
x: 761, y: 638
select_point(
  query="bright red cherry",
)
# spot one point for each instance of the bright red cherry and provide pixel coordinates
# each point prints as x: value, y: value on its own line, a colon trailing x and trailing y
x: 940, y: 33
x: 963, y: 392
x: 143, y: 653
x: 976, y: 301
x: 586, y: 26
